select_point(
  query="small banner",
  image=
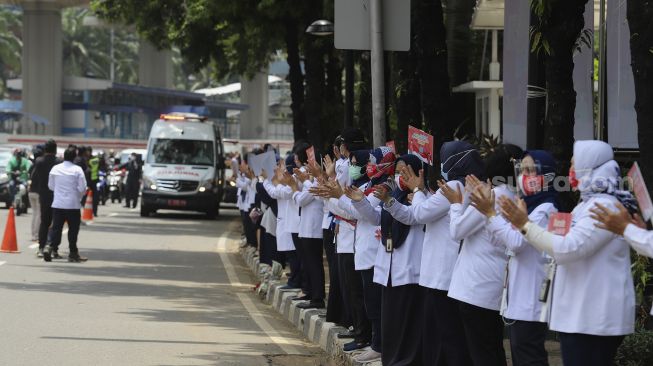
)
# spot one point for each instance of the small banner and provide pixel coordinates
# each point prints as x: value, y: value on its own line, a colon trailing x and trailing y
x: 311, y: 155
x: 641, y: 193
x: 391, y: 145
x: 421, y: 144
x: 559, y: 223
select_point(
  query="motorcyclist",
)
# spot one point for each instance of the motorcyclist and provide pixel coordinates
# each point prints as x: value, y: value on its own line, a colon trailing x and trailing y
x: 18, y: 168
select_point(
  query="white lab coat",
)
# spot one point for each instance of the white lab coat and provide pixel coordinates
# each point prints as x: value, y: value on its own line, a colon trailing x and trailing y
x: 346, y: 233
x: 527, y: 265
x: 402, y: 265
x: 440, y: 251
x: 641, y: 240
x: 368, y: 233
x: 593, y: 290
x: 311, y: 214
x: 283, y: 195
x: 479, y: 271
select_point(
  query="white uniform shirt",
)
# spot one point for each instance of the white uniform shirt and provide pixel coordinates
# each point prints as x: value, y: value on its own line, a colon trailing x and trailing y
x: 68, y: 183
x: 283, y: 195
x: 368, y: 233
x: 243, y: 183
x: 346, y: 233
x: 311, y: 214
x: 402, y: 265
x: 440, y: 251
x: 641, y: 240
x: 342, y: 172
x: 593, y: 290
x: 479, y: 271
x: 526, y: 268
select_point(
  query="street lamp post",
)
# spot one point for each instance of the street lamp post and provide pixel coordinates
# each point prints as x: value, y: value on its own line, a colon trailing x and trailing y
x: 325, y: 28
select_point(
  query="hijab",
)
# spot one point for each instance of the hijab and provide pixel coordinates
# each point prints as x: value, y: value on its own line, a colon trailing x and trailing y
x: 290, y: 163
x: 380, y: 157
x: 547, y: 165
x: 460, y: 159
x: 598, y: 173
x: 390, y: 226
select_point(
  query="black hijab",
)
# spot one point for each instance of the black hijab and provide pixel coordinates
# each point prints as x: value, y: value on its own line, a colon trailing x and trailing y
x: 362, y: 157
x: 460, y: 159
x: 389, y: 226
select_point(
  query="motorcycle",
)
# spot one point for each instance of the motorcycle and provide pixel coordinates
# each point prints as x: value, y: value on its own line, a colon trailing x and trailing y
x: 19, y: 190
x: 116, y: 185
x: 102, y: 188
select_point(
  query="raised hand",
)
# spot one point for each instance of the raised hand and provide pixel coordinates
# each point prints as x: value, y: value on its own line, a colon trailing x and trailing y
x: 483, y: 200
x: 448, y: 192
x: 382, y: 193
x: 354, y: 193
x: 614, y: 221
x: 330, y: 165
x: 515, y: 212
x: 471, y: 183
x: 411, y: 180
x: 264, y: 174
x: 301, y: 176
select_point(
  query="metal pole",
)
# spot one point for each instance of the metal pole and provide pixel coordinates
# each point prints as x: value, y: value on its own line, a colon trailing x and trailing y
x: 112, y: 71
x: 349, y: 88
x: 377, y: 68
x: 600, y: 128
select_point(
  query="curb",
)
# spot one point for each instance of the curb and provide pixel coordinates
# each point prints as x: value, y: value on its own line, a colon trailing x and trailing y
x: 312, y: 323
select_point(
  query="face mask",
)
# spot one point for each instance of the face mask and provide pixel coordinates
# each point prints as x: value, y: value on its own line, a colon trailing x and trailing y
x: 530, y: 184
x: 573, y: 182
x: 355, y: 172
x: 399, y: 181
x: 377, y: 170
x: 444, y: 174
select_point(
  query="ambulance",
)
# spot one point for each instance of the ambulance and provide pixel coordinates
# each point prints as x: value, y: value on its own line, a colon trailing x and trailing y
x: 184, y: 169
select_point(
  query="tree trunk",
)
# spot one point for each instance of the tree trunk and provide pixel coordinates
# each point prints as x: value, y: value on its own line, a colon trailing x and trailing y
x: 296, y: 80
x: 431, y: 47
x: 407, y: 97
x: 639, y: 15
x: 364, y: 110
x: 565, y: 23
x: 333, y: 106
x: 315, y: 81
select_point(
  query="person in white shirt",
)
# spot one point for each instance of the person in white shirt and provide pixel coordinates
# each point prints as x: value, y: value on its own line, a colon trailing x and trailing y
x: 246, y: 184
x: 593, y: 305
x: 68, y: 183
x: 526, y: 271
x: 397, y: 268
x: 443, y: 337
x: 477, y: 280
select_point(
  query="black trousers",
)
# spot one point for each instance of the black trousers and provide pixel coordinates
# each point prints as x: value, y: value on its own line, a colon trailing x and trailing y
x: 249, y: 228
x: 335, y: 307
x: 356, y: 297
x: 527, y: 343
x: 372, y: 293
x: 402, y: 325
x: 268, y: 250
x: 46, y: 219
x: 585, y: 350
x: 96, y: 197
x: 312, y: 260
x: 484, y: 334
x: 295, y: 278
x: 304, y: 280
x: 443, y: 341
x: 131, y: 193
x: 73, y: 217
x: 343, y: 259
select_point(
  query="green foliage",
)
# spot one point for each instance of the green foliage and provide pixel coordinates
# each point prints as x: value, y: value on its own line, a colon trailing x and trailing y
x: 542, y: 10
x: 10, y: 46
x: 636, y: 350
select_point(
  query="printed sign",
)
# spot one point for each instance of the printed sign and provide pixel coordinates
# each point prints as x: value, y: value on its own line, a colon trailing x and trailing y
x: 311, y: 155
x: 391, y: 145
x: 641, y: 193
x: 421, y: 144
x: 267, y: 161
x: 559, y: 223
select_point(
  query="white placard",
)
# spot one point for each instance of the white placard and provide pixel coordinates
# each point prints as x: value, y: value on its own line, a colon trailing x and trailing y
x: 267, y: 161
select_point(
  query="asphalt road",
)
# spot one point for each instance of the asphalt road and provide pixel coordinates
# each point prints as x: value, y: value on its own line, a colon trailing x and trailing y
x: 166, y: 290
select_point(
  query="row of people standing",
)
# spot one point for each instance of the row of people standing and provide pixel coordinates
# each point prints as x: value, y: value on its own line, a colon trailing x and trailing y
x: 433, y: 277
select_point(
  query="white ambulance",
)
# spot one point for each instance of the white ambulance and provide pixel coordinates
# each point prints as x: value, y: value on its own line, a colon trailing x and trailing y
x: 184, y: 169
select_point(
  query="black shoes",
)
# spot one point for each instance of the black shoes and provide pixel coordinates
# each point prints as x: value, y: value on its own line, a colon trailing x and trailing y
x: 300, y: 298
x: 346, y: 334
x: 55, y: 255
x: 76, y: 259
x: 311, y: 305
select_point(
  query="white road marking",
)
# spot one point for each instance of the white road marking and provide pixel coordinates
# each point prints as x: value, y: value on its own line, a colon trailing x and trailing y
x: 64, y: 231
x: 1, y: 263
x: 34, y: 246
x: 284, y: 343
x: 113, y: 214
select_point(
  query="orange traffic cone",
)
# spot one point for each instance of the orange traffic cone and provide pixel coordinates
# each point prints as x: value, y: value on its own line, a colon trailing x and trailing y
x: 87, y: 213
x: 9, y: 242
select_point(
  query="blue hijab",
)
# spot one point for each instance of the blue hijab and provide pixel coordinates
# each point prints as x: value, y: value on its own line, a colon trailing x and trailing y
x: 290, y: 163
x: 390, y: 226
x: 547, y: 167
x: 460, y: 159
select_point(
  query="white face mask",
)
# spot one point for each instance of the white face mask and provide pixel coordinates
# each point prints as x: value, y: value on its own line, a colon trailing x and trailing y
x: 444, y: 174
x: 397, y: 181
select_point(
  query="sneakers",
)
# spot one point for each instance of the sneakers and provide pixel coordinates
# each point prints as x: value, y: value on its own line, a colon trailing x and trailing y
x: 368, y: 356
x: 354, y: 345
x: 300, y: 298
x: 47, y: 253
x: 76, y: 258
x: 55, y: 255
x: 39, y: 254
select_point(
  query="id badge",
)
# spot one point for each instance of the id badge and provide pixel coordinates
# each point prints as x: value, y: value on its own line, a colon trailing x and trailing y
x: 388, y: 245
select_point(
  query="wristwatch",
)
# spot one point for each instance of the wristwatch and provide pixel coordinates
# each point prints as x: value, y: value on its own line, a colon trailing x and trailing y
x: 416, y: 189
x: 390, y: 203
x: 524, y: 229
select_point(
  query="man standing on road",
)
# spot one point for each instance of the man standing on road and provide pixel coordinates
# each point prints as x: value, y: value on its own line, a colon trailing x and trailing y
x: 68, y: 183
x: 133, y: 180
x: 94, y: 170
x: 42, y: 167
x: 33, y: 195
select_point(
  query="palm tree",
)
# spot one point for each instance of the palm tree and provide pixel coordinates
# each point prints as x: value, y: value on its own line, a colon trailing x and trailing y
x: 10, y: 46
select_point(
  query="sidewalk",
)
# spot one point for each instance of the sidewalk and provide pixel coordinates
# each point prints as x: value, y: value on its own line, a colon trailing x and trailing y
x: 313, y: 325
